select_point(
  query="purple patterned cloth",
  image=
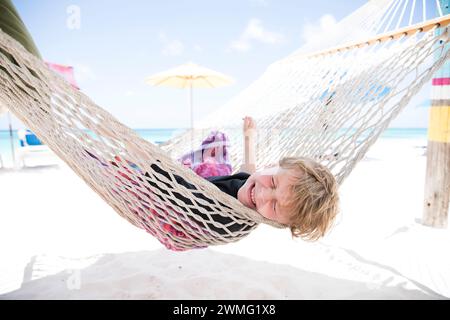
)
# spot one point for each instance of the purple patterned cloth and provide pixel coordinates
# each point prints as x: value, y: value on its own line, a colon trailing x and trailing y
x: 212, y: 158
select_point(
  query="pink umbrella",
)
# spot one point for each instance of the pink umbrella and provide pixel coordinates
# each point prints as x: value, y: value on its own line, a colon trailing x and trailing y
x: 65, y: 71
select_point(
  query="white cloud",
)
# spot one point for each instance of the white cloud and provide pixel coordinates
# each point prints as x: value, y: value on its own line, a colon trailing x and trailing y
x: 328, y: 32
x: 255, y: 32
x: 311, y: 32
x: 129, y: 93
x: 171, y: 47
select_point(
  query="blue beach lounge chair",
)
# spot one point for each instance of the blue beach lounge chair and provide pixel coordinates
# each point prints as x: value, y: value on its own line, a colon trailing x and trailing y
x: 30, y: 147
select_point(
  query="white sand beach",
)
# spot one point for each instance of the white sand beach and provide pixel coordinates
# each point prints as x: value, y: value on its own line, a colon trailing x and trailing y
x: 59, y: 240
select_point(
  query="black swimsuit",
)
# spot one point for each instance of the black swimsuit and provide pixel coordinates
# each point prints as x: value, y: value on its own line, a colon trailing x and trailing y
x: 228, y: 184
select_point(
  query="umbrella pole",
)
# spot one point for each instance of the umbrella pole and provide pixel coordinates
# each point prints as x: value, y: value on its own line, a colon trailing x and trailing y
x: 192, y: 115
x: 11, y: 138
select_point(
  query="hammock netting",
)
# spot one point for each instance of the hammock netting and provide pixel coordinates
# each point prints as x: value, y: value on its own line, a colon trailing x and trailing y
x: 330, y: 106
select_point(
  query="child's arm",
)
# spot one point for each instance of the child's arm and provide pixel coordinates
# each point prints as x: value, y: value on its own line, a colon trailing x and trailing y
x: 249, y: 145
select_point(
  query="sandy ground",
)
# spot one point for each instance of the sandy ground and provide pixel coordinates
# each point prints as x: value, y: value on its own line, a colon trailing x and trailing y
x: 59, y: 240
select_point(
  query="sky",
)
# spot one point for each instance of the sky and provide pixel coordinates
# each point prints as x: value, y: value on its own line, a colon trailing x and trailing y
x: 114, y: 45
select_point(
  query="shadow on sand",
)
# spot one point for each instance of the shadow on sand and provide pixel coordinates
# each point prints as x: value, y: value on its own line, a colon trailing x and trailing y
x: 197, y: 274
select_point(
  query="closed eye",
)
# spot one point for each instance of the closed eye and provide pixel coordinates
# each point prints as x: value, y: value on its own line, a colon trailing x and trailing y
x: 274, y: 203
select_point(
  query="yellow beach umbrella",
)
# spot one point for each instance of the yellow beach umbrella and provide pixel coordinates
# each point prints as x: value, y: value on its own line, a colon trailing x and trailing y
x: 189, y: 75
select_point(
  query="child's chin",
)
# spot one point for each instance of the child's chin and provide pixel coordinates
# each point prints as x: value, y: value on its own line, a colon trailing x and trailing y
x: 246, y: 205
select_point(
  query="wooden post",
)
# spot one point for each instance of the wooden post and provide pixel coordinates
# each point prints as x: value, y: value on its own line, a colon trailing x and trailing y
x: 437, y: 183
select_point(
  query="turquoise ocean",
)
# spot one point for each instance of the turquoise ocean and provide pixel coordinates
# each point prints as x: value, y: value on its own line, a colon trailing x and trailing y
x: 160, y: 135
x: 153, y: 135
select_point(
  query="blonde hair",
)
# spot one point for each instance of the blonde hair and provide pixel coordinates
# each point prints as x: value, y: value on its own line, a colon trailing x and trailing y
x: 315, y: 200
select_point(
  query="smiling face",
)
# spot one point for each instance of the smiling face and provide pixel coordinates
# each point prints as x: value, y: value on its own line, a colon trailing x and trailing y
x: 269, y: 192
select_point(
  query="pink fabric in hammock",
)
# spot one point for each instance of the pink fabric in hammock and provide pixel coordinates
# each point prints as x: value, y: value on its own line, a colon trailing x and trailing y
x: 211, y: 159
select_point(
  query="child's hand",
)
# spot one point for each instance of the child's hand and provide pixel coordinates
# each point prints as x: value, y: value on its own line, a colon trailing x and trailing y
x: 249, y: 124
x: 249, y: 145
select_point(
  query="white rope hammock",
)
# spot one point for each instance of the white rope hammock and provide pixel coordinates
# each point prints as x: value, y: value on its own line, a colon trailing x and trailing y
x: 330, y: 107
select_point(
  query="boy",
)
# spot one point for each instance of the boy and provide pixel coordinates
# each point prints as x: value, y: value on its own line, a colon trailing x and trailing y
x: 299, y: 192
